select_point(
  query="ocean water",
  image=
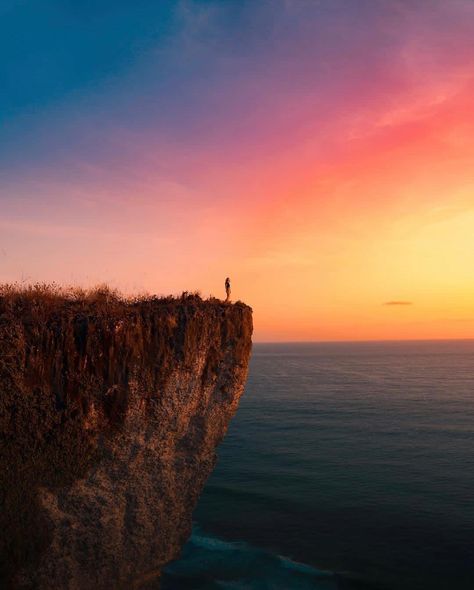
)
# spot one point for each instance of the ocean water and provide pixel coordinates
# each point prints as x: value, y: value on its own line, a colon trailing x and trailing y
x: 347, y: 465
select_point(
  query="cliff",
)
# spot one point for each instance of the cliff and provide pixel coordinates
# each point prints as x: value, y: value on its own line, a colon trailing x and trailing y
x: 110, y: 414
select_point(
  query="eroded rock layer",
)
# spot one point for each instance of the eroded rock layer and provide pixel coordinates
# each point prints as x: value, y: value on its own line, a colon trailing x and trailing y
x: 110, y: 414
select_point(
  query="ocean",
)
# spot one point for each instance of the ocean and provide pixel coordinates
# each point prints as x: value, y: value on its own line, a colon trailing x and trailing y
x: 347, y: 465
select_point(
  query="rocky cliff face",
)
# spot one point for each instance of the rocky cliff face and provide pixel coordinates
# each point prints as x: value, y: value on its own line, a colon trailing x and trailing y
x: 110, y: 414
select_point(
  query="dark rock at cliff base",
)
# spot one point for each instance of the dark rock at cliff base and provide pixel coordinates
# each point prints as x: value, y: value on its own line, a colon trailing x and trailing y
x: 110, y: 414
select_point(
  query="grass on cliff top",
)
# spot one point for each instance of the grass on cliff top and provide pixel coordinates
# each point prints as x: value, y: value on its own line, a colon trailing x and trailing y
x: 53, y: 294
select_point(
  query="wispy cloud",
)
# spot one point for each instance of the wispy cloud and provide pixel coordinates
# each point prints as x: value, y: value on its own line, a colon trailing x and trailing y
x: 398, y: 302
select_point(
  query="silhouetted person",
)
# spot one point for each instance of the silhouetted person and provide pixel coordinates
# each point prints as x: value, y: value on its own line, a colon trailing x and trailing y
x: 227, y: 288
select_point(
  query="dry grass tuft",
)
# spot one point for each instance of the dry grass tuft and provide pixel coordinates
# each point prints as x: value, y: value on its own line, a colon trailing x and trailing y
x: 53, y: 294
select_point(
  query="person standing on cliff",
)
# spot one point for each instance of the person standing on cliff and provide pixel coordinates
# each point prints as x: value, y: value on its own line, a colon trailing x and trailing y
x: 227, y: 289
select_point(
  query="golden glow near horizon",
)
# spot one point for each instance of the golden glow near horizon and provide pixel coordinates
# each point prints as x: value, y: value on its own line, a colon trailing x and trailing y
x: 407, y: 280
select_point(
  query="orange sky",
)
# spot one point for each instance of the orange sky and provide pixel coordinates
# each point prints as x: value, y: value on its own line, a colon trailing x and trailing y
x: 333, y: 182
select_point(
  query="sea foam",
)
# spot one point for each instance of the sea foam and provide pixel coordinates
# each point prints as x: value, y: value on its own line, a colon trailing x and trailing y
x: 210, y: 563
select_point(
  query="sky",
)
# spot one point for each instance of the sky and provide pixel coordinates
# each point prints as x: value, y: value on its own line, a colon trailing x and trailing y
x: 319, y: 153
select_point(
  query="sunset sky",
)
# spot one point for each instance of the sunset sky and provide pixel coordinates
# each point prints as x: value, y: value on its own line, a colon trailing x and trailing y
x: 320, y: 153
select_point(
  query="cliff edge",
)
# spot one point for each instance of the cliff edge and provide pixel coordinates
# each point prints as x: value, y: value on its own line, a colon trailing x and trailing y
x: 110, y: 414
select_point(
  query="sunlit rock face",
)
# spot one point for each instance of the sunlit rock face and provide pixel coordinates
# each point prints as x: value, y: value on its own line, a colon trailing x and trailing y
x: 110, y: 415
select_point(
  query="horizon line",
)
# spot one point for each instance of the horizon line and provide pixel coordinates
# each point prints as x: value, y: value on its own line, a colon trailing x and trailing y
x: 362, y: 341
